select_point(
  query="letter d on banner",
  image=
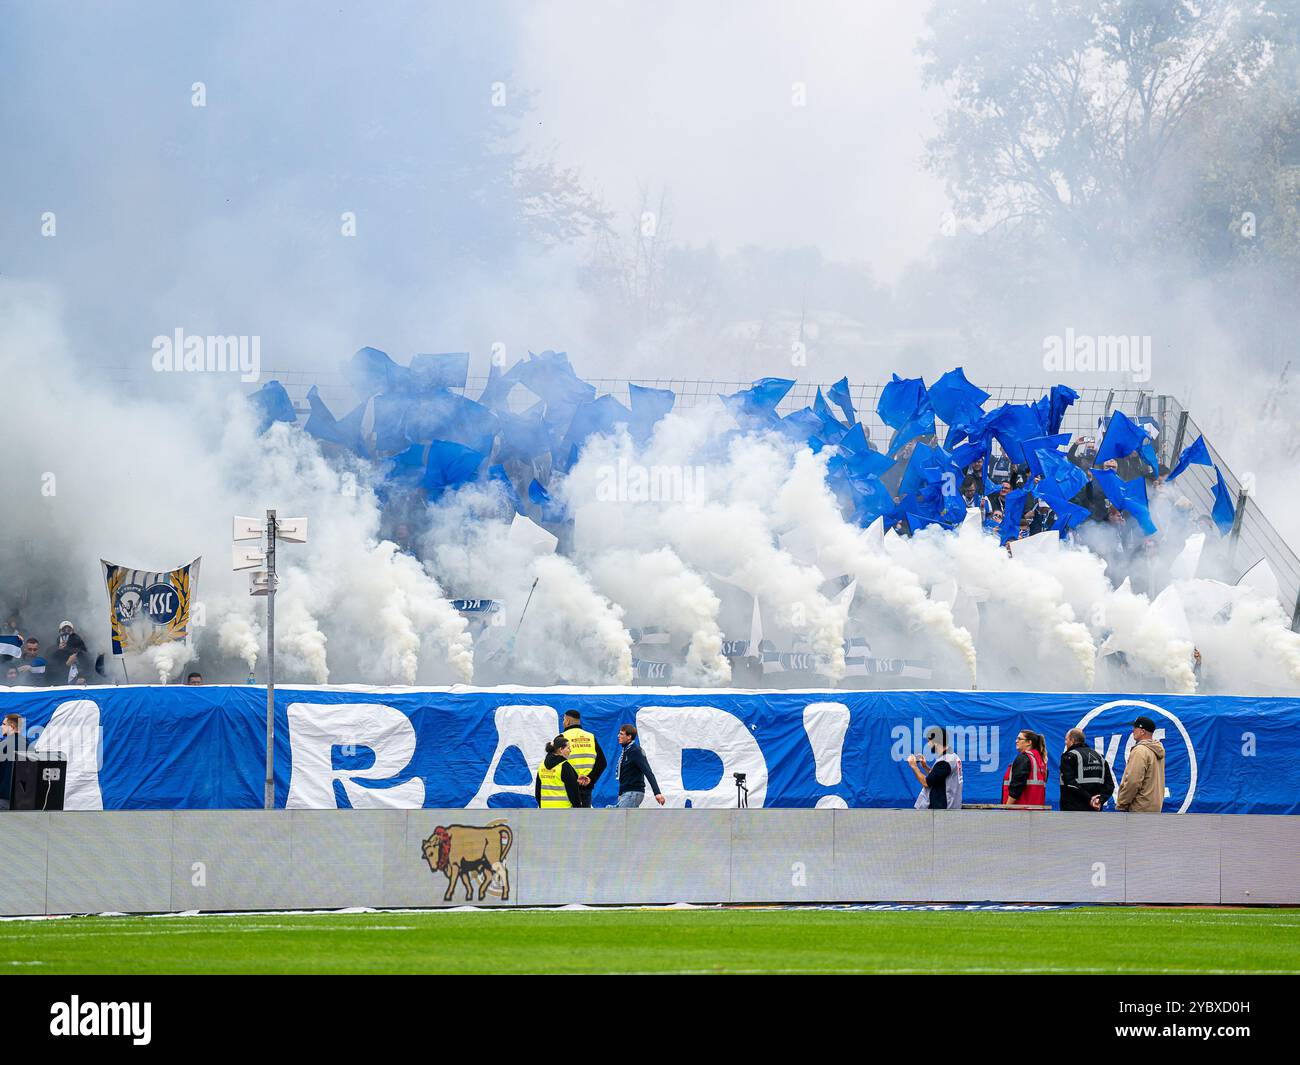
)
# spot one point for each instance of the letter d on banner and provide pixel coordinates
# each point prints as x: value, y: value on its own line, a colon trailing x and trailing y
x: 666, y: 731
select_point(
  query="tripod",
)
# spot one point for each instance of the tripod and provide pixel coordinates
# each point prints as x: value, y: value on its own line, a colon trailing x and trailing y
x: 742, y: 794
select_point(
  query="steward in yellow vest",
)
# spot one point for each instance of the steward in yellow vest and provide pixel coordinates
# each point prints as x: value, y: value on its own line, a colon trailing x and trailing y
x: 556, y: 787
x: 586, y: 757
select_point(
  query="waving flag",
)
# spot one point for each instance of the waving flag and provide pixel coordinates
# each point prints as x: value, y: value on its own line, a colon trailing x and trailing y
x: 1013, y: 512
x: 1130, y: 496
x: 11, y: 646
x: 839, y: 395
x: 322, y: 424
x: 445, y: 415
x: 271, y: 404
x: 759, y: 401
x: 449, y: 466
x: 147, y: 609
x: 1195, y: 453
x: 957, y: 401
x: 902, y: 401
x: 1033, y: 450
x: 648, y: 406
x: 450, y: 370
x: 496, y: 393
x: 1123, y: 437
x: 370, y: 371
x: 832, y: 427
x: 1224, y: 513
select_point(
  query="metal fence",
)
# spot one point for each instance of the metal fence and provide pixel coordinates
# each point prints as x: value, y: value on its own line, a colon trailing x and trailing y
x: 1253, y: 537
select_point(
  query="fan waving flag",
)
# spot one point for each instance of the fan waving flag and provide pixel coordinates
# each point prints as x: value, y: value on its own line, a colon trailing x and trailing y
x: 148, y: 609
x: 1196, y: 453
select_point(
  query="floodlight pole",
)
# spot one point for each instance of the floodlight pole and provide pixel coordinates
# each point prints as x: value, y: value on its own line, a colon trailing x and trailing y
x: 270, y: 660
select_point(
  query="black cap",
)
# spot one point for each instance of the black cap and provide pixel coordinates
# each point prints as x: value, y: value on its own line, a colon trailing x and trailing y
x: 1145, y: 723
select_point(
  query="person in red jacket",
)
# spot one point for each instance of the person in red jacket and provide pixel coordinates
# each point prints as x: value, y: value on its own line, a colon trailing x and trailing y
x: 1025, y: 781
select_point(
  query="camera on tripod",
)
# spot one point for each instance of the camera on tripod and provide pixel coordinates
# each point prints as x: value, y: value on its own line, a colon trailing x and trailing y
x: 742, y: 792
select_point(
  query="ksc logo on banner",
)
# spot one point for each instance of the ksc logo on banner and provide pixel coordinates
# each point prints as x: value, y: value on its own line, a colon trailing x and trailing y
x: 1109, y: 728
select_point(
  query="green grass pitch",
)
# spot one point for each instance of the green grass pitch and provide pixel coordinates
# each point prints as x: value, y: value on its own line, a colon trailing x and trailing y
x: 1092, y: 940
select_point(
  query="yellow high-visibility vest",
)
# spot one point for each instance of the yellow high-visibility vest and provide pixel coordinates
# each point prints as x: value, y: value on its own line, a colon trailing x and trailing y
x: 554, y: 794
x: 582, y: 750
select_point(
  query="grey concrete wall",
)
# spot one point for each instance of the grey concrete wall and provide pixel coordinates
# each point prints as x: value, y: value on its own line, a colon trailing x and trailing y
x: 82, y: 862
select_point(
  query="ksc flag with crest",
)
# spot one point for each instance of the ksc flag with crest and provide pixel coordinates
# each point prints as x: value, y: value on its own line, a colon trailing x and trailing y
x: 147, y: 609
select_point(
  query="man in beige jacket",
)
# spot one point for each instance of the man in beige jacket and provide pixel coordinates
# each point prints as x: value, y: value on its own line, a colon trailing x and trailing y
x: 1142, y: 790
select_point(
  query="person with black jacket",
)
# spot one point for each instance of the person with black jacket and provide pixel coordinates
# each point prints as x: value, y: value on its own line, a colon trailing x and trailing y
x: 1086, y: 780
x: 10, y: 742
x: 633, y: 771
x: 69, y: 652
x: 556, y: 786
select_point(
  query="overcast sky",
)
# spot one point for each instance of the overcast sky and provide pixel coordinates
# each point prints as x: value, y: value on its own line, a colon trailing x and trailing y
x: 224, y: 219
x: 698, y: 96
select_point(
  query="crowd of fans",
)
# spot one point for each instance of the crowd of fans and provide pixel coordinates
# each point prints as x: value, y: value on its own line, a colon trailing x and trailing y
x: 65, y: 660
x: 1112, y: 533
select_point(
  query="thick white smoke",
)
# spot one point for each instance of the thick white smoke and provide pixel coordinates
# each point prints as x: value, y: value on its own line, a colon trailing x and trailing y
x: 144, y: 481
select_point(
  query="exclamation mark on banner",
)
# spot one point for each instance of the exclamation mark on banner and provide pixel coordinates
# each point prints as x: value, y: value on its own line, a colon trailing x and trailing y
x: 826, y: 725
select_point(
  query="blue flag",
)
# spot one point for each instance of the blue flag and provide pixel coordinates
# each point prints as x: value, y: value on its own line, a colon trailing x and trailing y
x: 648, y: 406
x: 903, y: 401
x: 832, y: 427
x: 322, y: 424
x: 445, y: 415
x: 523, y: 436
x: 550, y: 376
x: 450, y: 465
x: 600, y: 416
x: 921, y: 425
x: 450, y: 370
x: 1195, y: 452
x: 552, y: 513
x: 839, y: 395
x: 1013, y: 512
x: 1123, y: 437
x: 1224, y: 513
x: 271, y: 404
x: 804, y: 427
x: 496, y: 392
x: 1012, y: 424
x: 1130, y: 496
x: 759, y: 401
x: 957, y: 401
x: 389, y: 424
x: 1033, y: 448
x: 371, y: 371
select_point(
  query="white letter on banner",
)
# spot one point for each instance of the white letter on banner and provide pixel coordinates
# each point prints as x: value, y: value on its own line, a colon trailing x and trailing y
x: 315, y: 729
x: 666, y: 731
x: 74, y: 731
x: 530, y: 728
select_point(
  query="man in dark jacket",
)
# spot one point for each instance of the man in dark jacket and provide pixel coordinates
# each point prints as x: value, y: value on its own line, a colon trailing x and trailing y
x: 633, y: 772
x: 1086, y: 780
x: 10, y: 744
x: 69, y: 651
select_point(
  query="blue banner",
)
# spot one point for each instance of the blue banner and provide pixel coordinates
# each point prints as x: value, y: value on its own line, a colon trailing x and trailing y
x: 160, y: 748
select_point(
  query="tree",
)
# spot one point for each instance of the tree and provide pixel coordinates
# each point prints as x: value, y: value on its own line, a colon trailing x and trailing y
x: 1075, y: 118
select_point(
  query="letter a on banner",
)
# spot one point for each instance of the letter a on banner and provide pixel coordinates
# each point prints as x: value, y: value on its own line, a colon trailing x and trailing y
x: 530, y: 728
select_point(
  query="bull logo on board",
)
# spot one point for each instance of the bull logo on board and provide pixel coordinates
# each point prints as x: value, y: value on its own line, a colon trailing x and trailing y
x: 463, y: 852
